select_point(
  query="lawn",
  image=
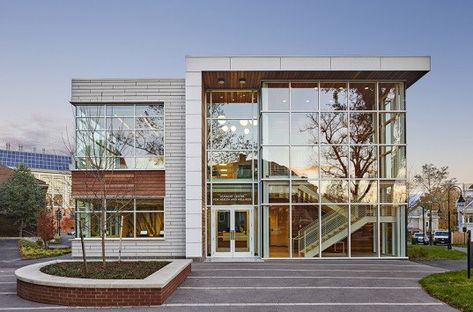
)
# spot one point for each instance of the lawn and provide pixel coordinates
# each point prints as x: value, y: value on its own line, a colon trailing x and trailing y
x: 112, y: 270
x: 451, y: 287
x: 426, y: 253
x: 31, y: 250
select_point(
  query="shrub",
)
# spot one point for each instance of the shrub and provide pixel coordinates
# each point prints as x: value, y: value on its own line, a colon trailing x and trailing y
x: 45, y: 226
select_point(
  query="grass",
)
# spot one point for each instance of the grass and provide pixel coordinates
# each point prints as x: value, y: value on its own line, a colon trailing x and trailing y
x: 451, y: 287
x: 428, y: 253
x: 113, y: 270
x: 30, y: 250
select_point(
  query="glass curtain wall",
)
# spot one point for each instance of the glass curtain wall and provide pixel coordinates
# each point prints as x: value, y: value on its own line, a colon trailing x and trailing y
x: 232, y: 154
x: 120, y: 136
x: 333, y: 168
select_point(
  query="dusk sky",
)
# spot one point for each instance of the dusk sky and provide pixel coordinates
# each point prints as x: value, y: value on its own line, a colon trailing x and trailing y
x: 44, y: 44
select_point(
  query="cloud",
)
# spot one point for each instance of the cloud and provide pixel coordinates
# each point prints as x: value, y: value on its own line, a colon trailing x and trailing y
x: 38, y: 131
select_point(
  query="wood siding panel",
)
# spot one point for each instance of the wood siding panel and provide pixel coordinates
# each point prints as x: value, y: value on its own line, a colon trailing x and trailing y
x: 119, y: 183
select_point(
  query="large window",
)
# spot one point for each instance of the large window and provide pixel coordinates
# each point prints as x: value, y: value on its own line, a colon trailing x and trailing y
x: 332, y: 156
x: 143, y: 218
x: 120, y: 136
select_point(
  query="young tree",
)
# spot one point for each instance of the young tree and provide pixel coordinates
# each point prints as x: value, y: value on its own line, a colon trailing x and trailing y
x: 45, y: 226
x: 22, y: 197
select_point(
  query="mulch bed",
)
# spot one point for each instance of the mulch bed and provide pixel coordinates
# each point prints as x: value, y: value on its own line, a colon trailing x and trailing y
x: 112, y: 270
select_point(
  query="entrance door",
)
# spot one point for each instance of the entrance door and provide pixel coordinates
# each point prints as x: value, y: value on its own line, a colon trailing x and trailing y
x: 232, y: 231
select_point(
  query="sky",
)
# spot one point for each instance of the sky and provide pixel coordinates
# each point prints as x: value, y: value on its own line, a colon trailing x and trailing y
x: 44, y: 44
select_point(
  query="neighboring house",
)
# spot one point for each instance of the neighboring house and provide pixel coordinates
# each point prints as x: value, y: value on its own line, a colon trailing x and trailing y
x: 265, y: 156
x: 54, y: 171
x: 465, y: 213
x: 417, y: 223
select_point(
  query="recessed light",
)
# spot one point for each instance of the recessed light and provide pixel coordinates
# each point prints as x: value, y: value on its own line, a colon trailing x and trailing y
x: 221, y: 81
x: 243, y: 122
x: 242, y: 80
x: 221, y: 96
x: 307, y: 101
x: 366, y: 88
x: 284, y: 101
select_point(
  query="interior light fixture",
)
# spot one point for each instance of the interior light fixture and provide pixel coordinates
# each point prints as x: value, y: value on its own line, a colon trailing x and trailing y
x: 366, y: 88
x: 242, y: 81
x: 255, y: 122
x: 307, y: 101
x: 243, y: 122
x: 221, y: 120
x: 221, y: 81
x: 284, y: 101
x: 225, y: 128
x: 247, y: 131
x: 233, y: 128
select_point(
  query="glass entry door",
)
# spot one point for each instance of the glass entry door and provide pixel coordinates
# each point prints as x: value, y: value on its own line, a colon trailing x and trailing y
x: 232, y: 231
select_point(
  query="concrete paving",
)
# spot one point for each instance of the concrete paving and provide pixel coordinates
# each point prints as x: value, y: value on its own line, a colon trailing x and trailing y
x: 299, y: 285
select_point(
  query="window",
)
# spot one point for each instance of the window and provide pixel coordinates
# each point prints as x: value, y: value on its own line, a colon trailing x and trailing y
x: 120, y: 136
x: 143, y: 218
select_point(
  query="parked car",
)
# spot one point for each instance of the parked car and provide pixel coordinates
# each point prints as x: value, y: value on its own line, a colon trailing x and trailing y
x: 440, y: 237
x: 418, y: 238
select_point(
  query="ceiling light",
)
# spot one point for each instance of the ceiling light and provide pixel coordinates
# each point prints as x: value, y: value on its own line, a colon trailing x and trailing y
x: 223, y: 165
x: 307, y: 101
x: 223, y: 169
x: 221, y: 96
x: 221, y: 120
x: 233, y: 128
x: 221, y: 81
x: 225, y: 128
x: 366, y: 88
x: 284, y: 101
x: 243, y: 122
x: 242, y: 80
x: 247, y: 131
x: 255, y: 122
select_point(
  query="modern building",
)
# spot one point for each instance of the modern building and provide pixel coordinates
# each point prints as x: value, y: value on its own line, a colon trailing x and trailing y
x: 248, y: 156
x: 54, y: 170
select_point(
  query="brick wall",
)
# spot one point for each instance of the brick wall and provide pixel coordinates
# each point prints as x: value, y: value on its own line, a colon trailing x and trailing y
x: 71, y: 296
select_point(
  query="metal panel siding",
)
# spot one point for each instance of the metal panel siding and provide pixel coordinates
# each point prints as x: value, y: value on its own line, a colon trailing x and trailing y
x: 172, y: 93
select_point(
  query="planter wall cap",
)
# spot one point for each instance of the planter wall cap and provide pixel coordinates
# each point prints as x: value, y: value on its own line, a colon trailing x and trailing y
x: 159, y: 279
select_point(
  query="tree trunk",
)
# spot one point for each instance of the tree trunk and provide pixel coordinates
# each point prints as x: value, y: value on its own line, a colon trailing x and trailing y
x: 104, y: 229
x: 84, y: 258
x: 21, y: 228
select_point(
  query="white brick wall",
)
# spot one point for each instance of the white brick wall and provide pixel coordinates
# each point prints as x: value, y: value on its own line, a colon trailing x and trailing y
x: 172, y: 93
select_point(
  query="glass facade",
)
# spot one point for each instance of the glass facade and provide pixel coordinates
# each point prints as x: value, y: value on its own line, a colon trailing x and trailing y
x: 142, y: 218
x: 325, y: 161
x: 333, y: 169
x: 120, y: 136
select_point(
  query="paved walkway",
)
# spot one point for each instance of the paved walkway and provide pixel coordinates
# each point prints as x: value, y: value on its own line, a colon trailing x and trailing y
x: 326, y: 286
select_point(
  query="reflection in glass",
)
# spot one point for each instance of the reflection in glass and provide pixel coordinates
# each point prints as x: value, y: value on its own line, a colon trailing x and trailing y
x: 276, y: 192
x: 120, y: 110
x: 117, y: 221
x: 304, y: 128
x: 222, y: 240
x: 364, y: 240
x: 305, y: 230
x: 334, y: 230
x: 392, y: 128
x: 242, y: 227
x: 333, y: 128
x: 304, y: 162
x: 275, y: 128
x: 149, y: 110
x: 120, y: 205
x: 275, y: 161
x: 275, y: 96
x: 156, y: 162
x: 334, y: 161
x: 391, y: 96
x: 333, y: 96
x: 232, y: 134
x: 392, y: 161
x: 228, y: 105
x: 392, y: 191
x: 121, y: 123
x: 362, y: 96
x: 363, y: 161
x: 90, y: 110
x: 392, y: 230
x: 150, y: 204
x: 304, y: 96
x: 149, y: 224
x: 278, y: 231
x: 90, y: 224
x: 305, y: 192
x: 334, y: 191
x: 363, y: 128
x: 231, y: 165
x: 364, y: 191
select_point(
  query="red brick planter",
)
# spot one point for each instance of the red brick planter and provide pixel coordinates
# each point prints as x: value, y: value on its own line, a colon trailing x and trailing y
x: 102, y: 295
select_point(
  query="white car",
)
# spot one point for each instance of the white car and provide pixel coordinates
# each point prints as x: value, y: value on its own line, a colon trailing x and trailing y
x: 440, y: 237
